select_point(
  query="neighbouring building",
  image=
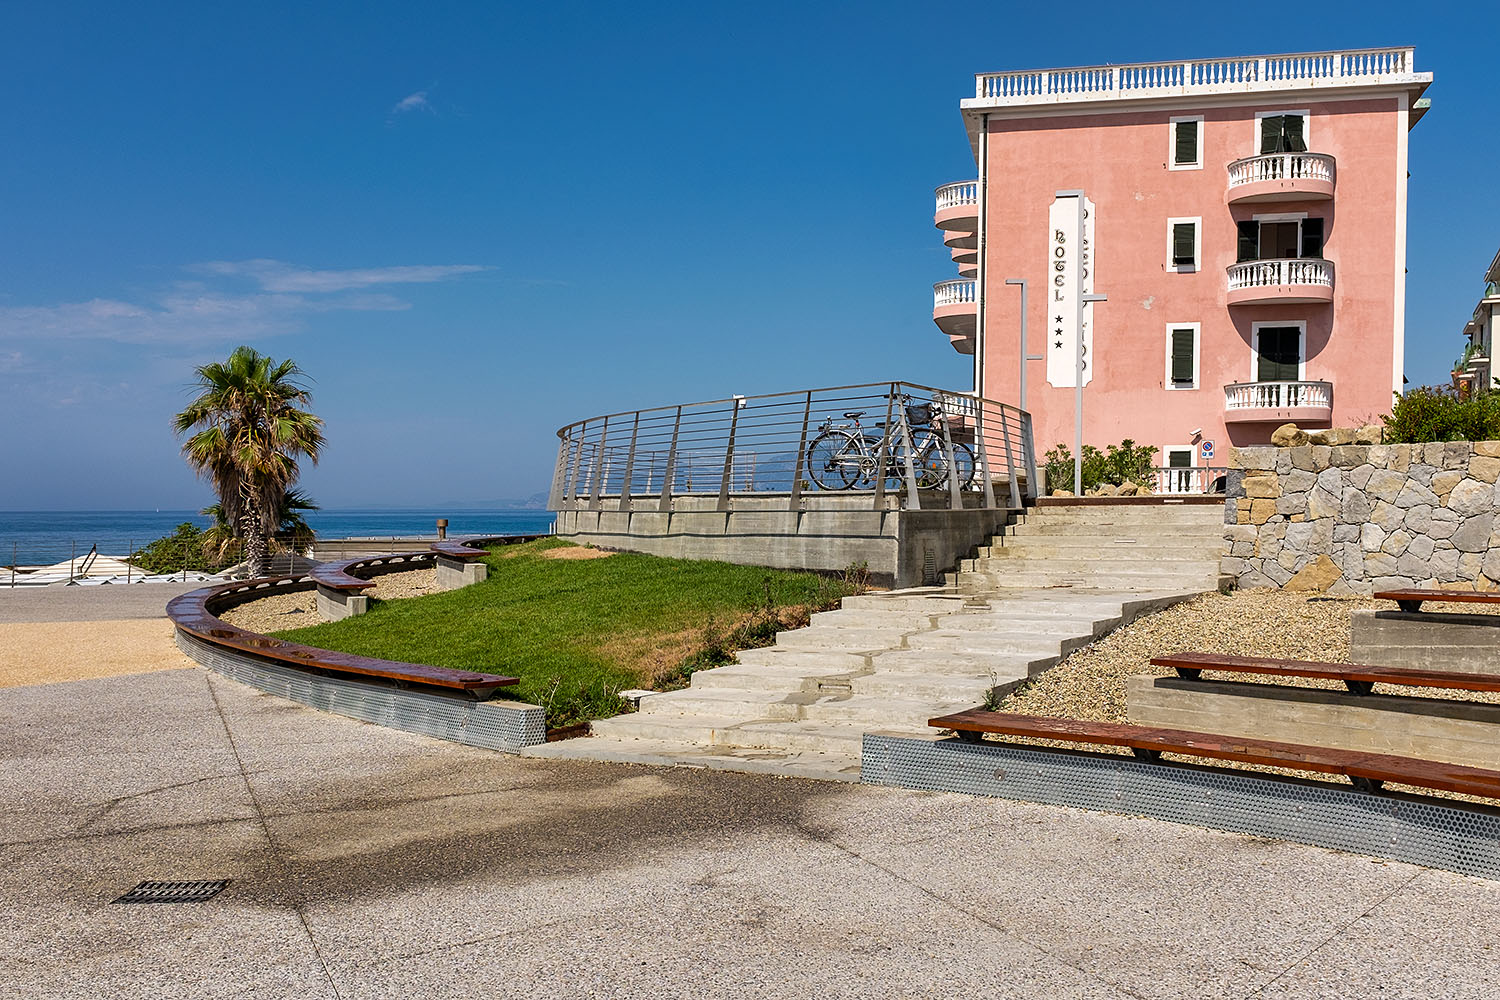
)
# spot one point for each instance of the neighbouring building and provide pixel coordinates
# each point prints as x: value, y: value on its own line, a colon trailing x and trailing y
x: 1474, y: 366
x: 1245, y: 217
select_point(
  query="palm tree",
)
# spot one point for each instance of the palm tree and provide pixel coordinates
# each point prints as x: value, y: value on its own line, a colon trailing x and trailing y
x: 249, y: 434
x: 222, y: 542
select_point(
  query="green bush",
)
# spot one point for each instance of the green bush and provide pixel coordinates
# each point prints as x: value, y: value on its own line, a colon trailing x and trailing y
x: 1438, y: 413
x: 182, y: 549
x: 1117, y: 464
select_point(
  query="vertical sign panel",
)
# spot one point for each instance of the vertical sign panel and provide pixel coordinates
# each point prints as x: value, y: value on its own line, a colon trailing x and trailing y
x: 1070, y: 274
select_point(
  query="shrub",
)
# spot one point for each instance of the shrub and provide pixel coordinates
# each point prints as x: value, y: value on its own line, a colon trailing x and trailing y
x: 1118, y: 463
x: 1439, y: 413
x: 182, y: 549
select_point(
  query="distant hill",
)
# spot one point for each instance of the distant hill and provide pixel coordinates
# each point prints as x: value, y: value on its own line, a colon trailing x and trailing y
x: 537, y: 501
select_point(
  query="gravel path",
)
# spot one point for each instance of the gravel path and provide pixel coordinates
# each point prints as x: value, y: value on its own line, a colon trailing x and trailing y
x: 299, y: 610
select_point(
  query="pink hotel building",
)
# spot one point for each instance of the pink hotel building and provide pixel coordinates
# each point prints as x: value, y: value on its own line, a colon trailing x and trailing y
x: 1247, y: 221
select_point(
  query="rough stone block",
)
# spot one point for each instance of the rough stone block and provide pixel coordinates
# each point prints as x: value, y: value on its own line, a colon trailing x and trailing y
x: 1262, y: 511
x: 1472, y: 497
x: 1431, y: 453
x: 1442, y: 484
x: 1349, y: 456
x: 1346, y: 532
x: 1489, y: 449
x: 1421, y: 473
x: 1262, y: 487
x: 1400, y: 457
x: 1260, y: 459
x: 1289, y: 436
x: 1321, y: 504
x: 1297, y: 481
x: 1368, y: 434
x: 1371, y: 537
x: 1240, y: 533
x: 1469, y: 566
x: 1387, y: 515
x: 1422, y: 547
x: 1283, y: 461
x: 1232, y: 566
x: 1474, y: 534
x: 1456, y: 454
x: 1354, y: 507
x: 1379, y: 564
x: 1396, y: 542
x: 1414, y: 493
x: 1291, y: 503
x: 1491, y: 565
x: 1444, y: 523
x: 1443, y: 564
x: 1482, y: 468
x: 1318, y: 575
x: 1359, y: 476
x: 1301, y: 458
x: 1386, y: 484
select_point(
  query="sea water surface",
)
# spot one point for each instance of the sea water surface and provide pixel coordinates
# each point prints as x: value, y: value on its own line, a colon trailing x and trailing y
x: 40, y: 538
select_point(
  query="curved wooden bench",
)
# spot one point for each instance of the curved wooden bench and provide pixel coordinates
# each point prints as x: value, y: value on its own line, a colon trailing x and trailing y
x: 458, y: 562
x: 1367, y: 771
x: 1411, y: 599
x: 194, y: 614
x: 1359, y: 678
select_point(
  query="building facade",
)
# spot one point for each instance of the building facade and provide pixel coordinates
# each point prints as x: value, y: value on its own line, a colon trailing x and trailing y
x: 1246, y: 219
x: 1474, y: 369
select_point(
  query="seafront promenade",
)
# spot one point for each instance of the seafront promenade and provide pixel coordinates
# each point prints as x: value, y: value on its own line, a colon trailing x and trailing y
x: 371, y: 862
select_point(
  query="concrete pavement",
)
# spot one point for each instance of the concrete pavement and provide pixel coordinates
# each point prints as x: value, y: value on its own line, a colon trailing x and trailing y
x: 370, y: 863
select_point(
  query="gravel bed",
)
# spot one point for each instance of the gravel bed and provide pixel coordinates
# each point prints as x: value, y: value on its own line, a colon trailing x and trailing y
x: 298, y: 610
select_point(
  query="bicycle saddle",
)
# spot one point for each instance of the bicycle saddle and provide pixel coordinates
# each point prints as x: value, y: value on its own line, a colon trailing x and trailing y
x: 854, y: 415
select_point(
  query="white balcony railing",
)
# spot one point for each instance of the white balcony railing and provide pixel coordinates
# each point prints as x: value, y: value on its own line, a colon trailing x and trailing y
x: 1278, y: 395
x: 952, y: 293
x: 1199, y: 76
x: 1274, y: 273
x: 1198, y: 479
x: 957, y: 194
x: 1281, y: 167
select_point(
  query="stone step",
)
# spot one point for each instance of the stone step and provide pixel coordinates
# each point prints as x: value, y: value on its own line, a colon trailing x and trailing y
x: 725, y: 703
x: 1034, y: 625
x: 1102, y: 564
x: 760, y: 677
x: 700, y: 729
x: 940, y: 662
x: 1146, y: 580
x: 1184, y: 512
x: 782, y: 657
x: 1151, y: 527
x: 957, y: 640
x: 938, y: 602
x: 929, y: 688
x: 1103, y: 552
x: 821, y: 765
x: 879, y: 712
x: 848, y: 640
x: 893, y: 618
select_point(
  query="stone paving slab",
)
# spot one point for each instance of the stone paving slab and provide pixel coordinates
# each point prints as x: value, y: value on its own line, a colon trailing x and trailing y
x: 375, y: 863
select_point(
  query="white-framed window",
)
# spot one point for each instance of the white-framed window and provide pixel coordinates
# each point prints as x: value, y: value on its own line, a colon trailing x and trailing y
x: 1182, y: 356
x: 1184, y: 244
x: 1177, y: 476
x: 1185, y: 151
x: 1278, y: 351
x: 1279, y: 236
x: 1286, y: 131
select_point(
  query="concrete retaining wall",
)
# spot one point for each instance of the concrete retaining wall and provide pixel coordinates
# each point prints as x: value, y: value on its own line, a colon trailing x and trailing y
x: 1426, y: 640
x: 1353, y: 519
x: 901, y: 548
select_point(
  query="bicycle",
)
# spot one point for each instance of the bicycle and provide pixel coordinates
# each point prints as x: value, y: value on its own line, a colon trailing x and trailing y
x: 846, y: 456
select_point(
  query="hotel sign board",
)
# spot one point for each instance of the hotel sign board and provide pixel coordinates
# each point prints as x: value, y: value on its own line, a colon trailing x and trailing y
x: 1070, y: 275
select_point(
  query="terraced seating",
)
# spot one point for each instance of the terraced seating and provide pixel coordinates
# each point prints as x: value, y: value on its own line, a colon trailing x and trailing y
x: 1367, y: 771
x: 1359, y: 678
x: 1412, y: 599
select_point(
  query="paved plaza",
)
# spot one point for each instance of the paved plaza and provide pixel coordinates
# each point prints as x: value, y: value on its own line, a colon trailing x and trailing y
x: 373, y: 863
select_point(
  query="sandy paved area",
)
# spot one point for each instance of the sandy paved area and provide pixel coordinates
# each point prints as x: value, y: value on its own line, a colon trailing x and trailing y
x: 49, y: 652
x: 374, y: 863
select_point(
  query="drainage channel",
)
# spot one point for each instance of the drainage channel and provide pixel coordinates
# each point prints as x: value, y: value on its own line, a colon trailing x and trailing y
x: 174, y: 892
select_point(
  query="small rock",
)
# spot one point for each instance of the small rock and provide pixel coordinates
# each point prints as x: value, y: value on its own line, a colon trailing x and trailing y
x: 1289, y: 436
x: 1318, y: 575
x: 1368, y: 434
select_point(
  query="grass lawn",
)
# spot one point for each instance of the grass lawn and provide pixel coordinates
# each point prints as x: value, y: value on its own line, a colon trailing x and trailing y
x: 579, y: 630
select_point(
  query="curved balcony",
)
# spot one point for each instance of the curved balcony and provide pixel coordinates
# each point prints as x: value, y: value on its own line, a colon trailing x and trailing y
x: 1281, y: 177
x: 967, y: 262
x: 1276, y: 282
x: 961, y: 239
x: 958, y: 206
x: 1278, y: 402
x: 953, y: 307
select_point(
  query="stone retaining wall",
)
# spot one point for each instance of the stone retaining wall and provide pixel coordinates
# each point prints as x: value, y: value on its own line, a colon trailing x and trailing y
x: 1352, y: 519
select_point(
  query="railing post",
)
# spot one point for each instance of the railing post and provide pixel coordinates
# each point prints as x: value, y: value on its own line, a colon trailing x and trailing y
x: 559, y: 476
x: 598, y: 483
x: 1010, y: 464
x: 577, y: 461
x: 955, y: 496
x: 1028, y: 455
x: 669, y: 476
x: 908, y: 454
x: 796, y: 499
x: 728, y: 477
x: 982, y: 454
x: 635, y: 430
x: 883, y: 452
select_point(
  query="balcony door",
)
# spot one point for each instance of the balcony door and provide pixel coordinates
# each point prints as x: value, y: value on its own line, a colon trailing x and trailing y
x: 1278, y: 354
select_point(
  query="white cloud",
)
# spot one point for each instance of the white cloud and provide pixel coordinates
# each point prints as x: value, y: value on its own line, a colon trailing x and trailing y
x: 278, y: 276
x: 413, y: 102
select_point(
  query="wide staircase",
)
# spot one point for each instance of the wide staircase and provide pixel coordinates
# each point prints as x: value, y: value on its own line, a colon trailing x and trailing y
x: 891, y: 661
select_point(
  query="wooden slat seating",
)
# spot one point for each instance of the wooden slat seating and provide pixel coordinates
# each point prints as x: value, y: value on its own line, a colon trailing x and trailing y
x: 193, y: 613
x: 1411, y: 599
x: 336, y: 576
x: 1359, y: 678
x: 1367, y: 771
x: 463, y: 549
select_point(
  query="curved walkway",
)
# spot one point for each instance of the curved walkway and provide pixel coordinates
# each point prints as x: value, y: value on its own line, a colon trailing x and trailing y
x: 371, y: 862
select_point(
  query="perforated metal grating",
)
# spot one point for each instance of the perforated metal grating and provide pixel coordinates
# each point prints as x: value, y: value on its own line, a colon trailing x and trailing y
x: 1453, y: 837
x: 493, y: 725
x: 174, y: 892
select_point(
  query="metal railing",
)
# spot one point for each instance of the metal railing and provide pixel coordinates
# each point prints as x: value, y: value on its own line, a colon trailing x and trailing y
x: 1278, y: 395
x: 1281, y: 167
x: 1274, y: 273
x: 758, y: 447
x: 1197, y: 479
x: 1349, y: 67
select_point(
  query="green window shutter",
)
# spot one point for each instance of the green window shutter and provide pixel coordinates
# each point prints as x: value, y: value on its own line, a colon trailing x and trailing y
x: 1291, y: 128
x: 1312, y: 237
x: 1187, y: 143
x: 1249, y: 241
x: 1180, y: 458
x: 1182, y: 357
x: 1270, y: 134
x: 1278, y: 354
x: 1183, y: 240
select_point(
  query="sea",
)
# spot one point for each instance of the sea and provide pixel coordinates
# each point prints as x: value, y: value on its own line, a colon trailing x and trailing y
x: 41, y: 538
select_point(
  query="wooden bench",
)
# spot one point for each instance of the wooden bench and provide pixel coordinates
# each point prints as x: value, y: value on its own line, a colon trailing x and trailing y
x: 1359, y: 678
x: 1411, y: 600
x: 1367, y: 771
x: 193, y: 613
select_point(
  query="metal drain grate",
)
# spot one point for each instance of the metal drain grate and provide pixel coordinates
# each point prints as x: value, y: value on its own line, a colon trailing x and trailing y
x: 174, y: 892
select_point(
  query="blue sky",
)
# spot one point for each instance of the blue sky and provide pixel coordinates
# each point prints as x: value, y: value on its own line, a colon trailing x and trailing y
x: 473, y: 223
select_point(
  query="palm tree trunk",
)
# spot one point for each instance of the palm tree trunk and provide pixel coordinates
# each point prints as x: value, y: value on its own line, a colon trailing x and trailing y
x: 256, y: 552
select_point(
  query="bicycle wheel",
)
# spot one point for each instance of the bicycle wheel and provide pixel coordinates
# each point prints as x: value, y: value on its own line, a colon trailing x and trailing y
x: 833, y: 460
x: 963, y: 461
